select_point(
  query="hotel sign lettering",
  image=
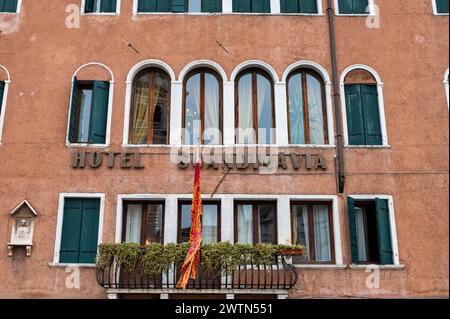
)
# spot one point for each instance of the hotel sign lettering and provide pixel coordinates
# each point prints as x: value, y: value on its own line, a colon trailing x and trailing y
x: 127, y: 160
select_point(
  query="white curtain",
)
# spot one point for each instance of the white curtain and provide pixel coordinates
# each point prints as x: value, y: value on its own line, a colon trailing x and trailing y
x: 315, y: 107
x: 300, y: 227
x: 247, y: 134
x: 264, y: 110
x: 212, y: 110
x: 245, y: 224
x: 192, y: 124
x: 133, y: 226
x: 296, y: 115
x: 209, y: 224
x: 322, y: 233
x: 360, y: 234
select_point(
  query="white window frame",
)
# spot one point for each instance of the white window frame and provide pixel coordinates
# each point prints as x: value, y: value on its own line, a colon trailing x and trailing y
x: 60, y: 219
x: 372, y: 11
x: 176, y: 96
x: 435, y: 12
x: 385, y: 142
x: 4, y: 100
x: 227, y: 216
x: 328, y: 103
x: 110, y: 107
x: 446, y: 88
x: 394, y: 240
x: 19, y: 7
x: 83, y: 4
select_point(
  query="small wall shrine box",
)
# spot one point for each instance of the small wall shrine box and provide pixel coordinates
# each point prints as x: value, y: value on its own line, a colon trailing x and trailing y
x: 23, y: 216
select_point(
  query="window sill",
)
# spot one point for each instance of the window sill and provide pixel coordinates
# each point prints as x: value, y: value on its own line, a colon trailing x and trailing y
x: 63, y: 265
x: 381, y: 267
x: 441, y: 14
x: 355, y: 15
x: 100, y: 14
x: 229, y: 13
x: 309, y: 146
x: 369, y: 146
x: 9, y: 12
x: 86, y: 145
x: 323, y: 266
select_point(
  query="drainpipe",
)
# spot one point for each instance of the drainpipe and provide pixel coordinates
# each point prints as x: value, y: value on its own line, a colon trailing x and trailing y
x: 337, y: 101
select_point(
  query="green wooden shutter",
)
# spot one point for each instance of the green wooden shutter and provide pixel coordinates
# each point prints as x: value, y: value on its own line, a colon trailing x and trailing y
x: 71, y: 230
x: 355, y: 118
x: 352, y: 230
x: 99, y: 113
x: 242, y: 6
x: 345, y: 6
x: 2, y: 90
x: 89, y: 231
x: 108, y: 6
x: 371, y: 114
x: 308, y: 6
x: 261, y: 6
x: 384, y: 231
x: 289, y: 6
x: 89, y: 6
x: 73, y: 112
x: 147, y: 5
x: 361, y: 6
x: 442, y: 6
x: 178, y: 5
x: 212, y: 6
x: 8, y: 6
x: 163, y: 5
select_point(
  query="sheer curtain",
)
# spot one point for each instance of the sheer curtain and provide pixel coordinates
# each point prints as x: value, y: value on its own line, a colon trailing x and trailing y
x: 322, y: 233
x: 296, y: 115
x: 133, y: 226
x: 212, y: 110
x: 264, y: 110
x: 245, y: 224
x: 315, y: 108
x: 210, y: 224
x: 300, y: 228
x: 192, y: 123
x: 139, y: 126
x: 360, y: 234
x: 247, y: 134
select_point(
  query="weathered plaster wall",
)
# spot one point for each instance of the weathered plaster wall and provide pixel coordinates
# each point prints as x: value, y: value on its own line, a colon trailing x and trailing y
x: 409, y: 51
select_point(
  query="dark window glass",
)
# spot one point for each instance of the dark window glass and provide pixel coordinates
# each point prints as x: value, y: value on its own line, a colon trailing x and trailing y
x: 143, y: 222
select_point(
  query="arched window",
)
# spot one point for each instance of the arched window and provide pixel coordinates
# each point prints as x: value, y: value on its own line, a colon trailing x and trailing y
x: 202, y: 108
x: 255, y: 115
x: 150, y: 109
x: 307, y: 110
x: 362, y: 108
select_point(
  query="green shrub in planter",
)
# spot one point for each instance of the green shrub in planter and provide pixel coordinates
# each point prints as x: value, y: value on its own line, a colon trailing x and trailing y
x: 127, y: 255
x: 152, y: 260
x: 106, y: 252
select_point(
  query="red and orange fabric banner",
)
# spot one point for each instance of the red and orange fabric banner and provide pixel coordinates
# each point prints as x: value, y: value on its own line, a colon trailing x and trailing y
x: 190, y: 265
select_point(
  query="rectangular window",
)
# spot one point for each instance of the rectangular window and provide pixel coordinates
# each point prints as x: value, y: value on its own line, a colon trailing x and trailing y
x: 210, y: 222
x: 100, y: 6
x: 354, y: 7
x: 363, y: 114
x: 8, y: 6
x: 370, y: 231
x: 79, y: 238
x: 255, y: 222
x: 143, y: 222
x: 312, y: 227
x: 442, y: 6
x: 299, y: 6
x: 255, y: 6
x: 89, y: 112
x: 180, y: 6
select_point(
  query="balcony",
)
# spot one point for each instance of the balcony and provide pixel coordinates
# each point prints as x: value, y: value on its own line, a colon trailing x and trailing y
x: 248, y: 272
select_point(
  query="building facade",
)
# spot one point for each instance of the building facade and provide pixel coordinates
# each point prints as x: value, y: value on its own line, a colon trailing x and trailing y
x: 105, y: 103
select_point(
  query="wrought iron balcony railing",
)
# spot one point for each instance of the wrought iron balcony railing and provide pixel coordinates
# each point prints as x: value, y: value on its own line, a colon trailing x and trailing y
x: 277, y: 274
